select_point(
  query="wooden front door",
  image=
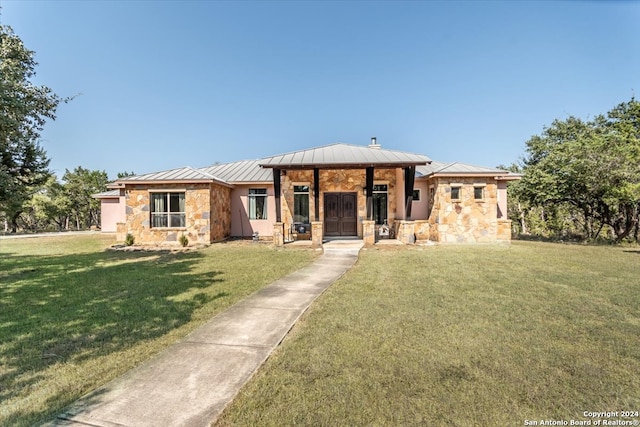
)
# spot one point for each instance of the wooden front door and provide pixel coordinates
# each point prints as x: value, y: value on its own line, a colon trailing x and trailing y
x: 340, y: 212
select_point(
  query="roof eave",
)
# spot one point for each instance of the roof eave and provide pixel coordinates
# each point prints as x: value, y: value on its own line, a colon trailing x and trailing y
x: 495, y: 175
x: 342, y: 165
x: 122, y: 184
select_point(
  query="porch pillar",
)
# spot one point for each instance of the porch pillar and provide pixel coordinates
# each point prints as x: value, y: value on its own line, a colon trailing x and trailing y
x: 369, y: 189
x: 368, y: 232
x: 316, y: 193
x: 409, y: 180
x: 278, y: 234
x: 277, y: 191
x: 316, y: 234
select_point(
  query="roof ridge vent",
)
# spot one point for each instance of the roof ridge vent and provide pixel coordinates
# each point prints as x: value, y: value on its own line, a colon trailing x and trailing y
x: 374, y: 143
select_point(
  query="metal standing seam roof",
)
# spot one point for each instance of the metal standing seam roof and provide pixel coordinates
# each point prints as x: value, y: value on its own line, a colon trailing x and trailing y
x: 456, y: 168
x: 241, y: 171
x: 110, y: 194
x: 336, y: 155
x: 344, y: 155
x: 180, y: 174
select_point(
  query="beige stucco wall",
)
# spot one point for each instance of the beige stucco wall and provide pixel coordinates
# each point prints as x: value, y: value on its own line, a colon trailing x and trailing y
x: 466, y: 220
x: 207, y: 210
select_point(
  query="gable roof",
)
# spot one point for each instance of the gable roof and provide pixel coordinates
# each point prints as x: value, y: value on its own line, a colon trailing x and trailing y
x: 344, y: 156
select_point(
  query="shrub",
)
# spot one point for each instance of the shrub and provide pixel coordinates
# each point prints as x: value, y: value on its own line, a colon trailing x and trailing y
x: 184, y: 241
x: 129, y: 239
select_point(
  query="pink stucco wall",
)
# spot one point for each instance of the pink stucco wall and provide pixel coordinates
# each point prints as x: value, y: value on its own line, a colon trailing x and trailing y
x: 112, y: 211
x: 502, y: 199
x: 241, y: 225
x: 420, y: 208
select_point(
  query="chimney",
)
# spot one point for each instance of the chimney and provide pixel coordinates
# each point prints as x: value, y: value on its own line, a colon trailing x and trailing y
x: 374, y: 143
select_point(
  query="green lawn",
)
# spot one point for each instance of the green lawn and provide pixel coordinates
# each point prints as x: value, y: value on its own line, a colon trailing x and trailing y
x: 74, y: 316
x: 461, y: 336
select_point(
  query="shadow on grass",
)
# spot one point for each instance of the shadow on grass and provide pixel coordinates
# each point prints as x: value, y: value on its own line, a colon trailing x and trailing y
x: 70, y: 308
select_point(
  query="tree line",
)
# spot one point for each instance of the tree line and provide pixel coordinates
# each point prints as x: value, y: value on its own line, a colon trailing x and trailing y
x: 581, y: 179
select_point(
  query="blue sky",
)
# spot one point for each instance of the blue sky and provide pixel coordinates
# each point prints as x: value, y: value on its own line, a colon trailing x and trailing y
x: 168, y: 84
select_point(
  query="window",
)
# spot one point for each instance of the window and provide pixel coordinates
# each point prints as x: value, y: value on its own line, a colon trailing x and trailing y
x: 478, y: 192
x: 301, y: 204
x: 257, y: 203
x: 380, y: 203
x: 416, y: 195
x: 167, y: 210
x: 455, y: 193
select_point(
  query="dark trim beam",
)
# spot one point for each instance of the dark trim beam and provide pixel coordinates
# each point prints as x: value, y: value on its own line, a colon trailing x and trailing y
x: 316, y: 193
x: 277, y: 191
x: 369, y: 188
x: 409, y: 181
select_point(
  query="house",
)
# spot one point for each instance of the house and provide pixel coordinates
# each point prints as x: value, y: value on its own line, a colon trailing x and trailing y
x: 338, y: 190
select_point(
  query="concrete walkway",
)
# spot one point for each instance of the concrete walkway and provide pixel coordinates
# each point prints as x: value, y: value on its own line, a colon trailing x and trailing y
x: 190, y: 383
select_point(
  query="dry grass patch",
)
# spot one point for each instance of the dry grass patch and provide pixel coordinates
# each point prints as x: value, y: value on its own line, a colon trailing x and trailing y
x: 460, y: 335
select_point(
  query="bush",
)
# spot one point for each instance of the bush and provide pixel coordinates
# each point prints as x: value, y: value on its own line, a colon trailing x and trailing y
x: 184, y: 241
x: 129, y: 239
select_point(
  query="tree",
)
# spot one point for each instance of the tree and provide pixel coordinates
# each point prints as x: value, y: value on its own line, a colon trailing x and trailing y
x: 24, y: 109
x: 125, y: 174
x: 80, y: 185
x: 588, y: 172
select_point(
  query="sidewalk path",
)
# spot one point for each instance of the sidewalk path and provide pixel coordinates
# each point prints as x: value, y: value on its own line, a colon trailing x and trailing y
x: 191, y: 382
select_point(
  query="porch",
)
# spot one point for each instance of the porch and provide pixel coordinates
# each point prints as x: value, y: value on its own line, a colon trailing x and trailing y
x: 343, y: 191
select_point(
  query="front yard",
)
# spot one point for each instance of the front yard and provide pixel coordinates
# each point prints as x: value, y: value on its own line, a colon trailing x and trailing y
x: 462, y: 336
x: 444, y: 335
x: 74, y: 316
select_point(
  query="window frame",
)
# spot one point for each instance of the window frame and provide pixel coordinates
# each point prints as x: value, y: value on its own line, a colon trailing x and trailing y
x: 480, y: 187
x: 169, y: 214
x: 380, y: 192
x: 458, y: 188
x: 253, y: 213
x: 302, y: 193
x: 417, y: 191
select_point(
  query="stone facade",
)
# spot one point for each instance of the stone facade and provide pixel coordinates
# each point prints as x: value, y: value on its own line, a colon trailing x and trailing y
x: 338, y: 180
x: 465, y: 219
x: 504, y: 230
x: 421, y: 229
x: 208, y: 209
x: 207, y: 214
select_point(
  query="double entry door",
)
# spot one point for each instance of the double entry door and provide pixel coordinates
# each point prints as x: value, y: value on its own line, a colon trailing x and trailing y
x: 340, y: 214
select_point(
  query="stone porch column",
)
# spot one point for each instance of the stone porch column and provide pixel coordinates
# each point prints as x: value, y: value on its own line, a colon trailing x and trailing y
x: 278, y: 234
x: 316, y: 234
x: 406, y: 232
x: 368, y: 232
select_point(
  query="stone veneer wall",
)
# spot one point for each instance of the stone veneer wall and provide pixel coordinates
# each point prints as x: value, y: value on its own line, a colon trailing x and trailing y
x: 467, y: 220
x: 504, y: 230
x: 205, y: 221
x: 337, y: 180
